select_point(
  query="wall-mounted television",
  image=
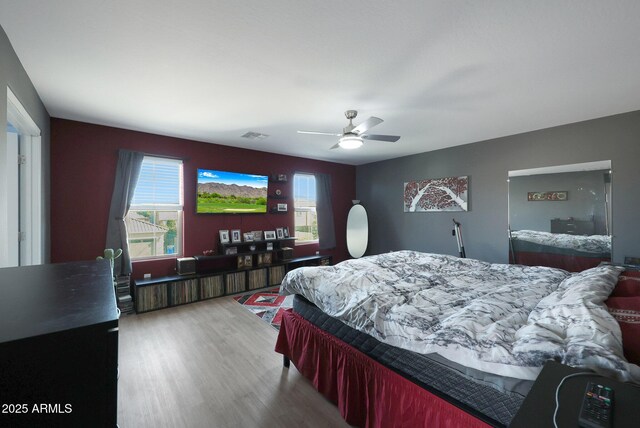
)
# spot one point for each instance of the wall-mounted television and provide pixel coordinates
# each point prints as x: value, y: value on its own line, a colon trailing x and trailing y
x: 223, y: 192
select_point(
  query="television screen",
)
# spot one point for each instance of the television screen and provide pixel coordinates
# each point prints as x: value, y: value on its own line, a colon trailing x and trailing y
x: 221, y: 192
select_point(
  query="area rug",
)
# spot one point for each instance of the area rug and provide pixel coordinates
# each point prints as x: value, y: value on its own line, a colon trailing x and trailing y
x: 267, y: 304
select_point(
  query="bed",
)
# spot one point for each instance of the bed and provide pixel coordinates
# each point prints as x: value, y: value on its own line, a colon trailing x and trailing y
x: 417, y: 339
x: 573, y: 253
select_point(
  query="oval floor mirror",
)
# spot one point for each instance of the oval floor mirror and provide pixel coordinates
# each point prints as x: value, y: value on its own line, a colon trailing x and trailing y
x: 357, y: 230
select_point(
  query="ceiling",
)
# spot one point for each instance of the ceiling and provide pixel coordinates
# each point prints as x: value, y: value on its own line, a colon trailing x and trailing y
x: 440, y: 73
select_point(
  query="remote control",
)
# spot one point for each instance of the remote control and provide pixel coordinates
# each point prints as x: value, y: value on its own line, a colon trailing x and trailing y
x: 597, y: 406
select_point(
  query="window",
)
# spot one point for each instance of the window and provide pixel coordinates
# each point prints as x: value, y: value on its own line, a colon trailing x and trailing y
x: 154, y: 221
x: 304, y: 202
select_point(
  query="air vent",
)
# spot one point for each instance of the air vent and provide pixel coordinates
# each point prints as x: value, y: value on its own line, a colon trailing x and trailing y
x: 255, y: 136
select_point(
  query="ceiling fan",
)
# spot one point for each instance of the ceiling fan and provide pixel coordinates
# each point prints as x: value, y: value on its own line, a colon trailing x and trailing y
x: 352, y: 136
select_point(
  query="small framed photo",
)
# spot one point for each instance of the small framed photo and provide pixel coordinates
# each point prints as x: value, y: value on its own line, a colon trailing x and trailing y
x: 286, y: 232
x: 257, y: 235
x: 280, y: 232
x: 269, y: 235
x: 282, y: 207
x: 282, y: 177
x: 248, y: 261
x: 266, y: 258
x: 240, y: 262
x: 224, y: 236
x: 259, y: 260
x: 231, y: 250
x: 248, y: 236
x: 269, y: 246
x: 235, y: 236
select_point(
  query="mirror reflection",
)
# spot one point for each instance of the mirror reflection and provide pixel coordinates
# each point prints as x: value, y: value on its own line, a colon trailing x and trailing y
x: 357, y: 231
x: 560, y: 216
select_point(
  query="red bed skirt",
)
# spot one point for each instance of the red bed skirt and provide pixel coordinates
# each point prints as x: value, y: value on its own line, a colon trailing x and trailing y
x: 571, y: 263
x: 366, y: 393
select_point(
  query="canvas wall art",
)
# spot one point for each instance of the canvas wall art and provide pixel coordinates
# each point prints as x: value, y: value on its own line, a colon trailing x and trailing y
x: 547, y: 196
x: 436, y: 194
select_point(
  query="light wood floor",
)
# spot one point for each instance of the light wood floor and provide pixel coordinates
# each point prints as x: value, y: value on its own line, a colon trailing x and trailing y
x: 211, y: 364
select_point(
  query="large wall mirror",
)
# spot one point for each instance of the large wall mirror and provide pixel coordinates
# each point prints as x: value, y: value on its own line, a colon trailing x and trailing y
x: 560, y: 216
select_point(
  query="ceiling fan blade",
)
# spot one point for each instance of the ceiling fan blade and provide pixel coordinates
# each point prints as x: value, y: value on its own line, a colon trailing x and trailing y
x: 337, y: 146
x: 320, y: 133
x: 389, y: 138
x: 367, y: 124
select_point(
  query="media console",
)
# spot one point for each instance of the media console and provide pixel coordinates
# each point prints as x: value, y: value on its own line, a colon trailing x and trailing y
x: 223, y: 274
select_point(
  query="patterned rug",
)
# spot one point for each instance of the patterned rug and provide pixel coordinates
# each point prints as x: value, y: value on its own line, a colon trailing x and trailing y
x: 266, y: 304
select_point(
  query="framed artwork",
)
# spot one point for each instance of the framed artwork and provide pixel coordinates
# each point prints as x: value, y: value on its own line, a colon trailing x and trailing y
x: 248, y: 261
x: 280, y: 232
x: 282, y: 207
x: 248, y: 236
x: 231, y: 250
x: 224, y: 236
x: 269, y: 234
x: 269, y: 246
x: 548, y: 196
x: 286, y: 232
x: 257, y: 235
x: 235, y: 236
x: 436, y: 194
x: 266, y: 258
x: 240, y: 262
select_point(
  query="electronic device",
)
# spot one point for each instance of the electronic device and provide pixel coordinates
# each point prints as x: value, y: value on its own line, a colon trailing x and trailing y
x: 597, y: 406
x: 222, y: 192
x: 186, y: 266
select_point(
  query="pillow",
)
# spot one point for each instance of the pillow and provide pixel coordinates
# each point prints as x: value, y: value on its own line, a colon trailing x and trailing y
x: 626, y: 310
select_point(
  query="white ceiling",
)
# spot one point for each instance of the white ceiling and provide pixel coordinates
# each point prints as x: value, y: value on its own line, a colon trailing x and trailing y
x: 440, y: 73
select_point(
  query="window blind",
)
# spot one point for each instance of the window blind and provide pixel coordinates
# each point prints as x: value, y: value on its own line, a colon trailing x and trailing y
x: 159, y: 183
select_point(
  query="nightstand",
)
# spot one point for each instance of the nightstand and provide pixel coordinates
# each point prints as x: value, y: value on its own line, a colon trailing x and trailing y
x: 537, y: 409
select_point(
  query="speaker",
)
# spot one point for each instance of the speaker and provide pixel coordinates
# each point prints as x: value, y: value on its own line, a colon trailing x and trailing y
x: 287, y: 253
x: 186, y: 266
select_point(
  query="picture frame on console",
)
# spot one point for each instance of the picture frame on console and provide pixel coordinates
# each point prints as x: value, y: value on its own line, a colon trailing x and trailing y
x: 235, y: 236
x: 257, y: 235
x: 286, y: 232
x: 248, y: 236
x: 269, y: 235
x: 280, y: 232
x: 224, y: 237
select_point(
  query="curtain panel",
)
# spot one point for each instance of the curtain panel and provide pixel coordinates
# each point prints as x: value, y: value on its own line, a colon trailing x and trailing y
x: 324, y: 211
x: 126, y: 178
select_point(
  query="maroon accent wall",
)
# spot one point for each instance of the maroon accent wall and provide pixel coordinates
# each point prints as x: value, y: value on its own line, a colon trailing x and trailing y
x: 83, y: 162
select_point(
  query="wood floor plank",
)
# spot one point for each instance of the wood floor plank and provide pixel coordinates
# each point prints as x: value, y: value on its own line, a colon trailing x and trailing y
x: 211, y: 364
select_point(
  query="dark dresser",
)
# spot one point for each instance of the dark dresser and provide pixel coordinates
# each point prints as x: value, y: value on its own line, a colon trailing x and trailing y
x: 58, y: 345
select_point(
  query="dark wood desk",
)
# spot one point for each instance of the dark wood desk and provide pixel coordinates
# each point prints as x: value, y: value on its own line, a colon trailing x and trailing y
x: 58, y: 346
x: 537, y: 409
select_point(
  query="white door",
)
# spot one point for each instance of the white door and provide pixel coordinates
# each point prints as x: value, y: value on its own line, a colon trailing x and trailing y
x: 21, y: 241
x: 13, y: 199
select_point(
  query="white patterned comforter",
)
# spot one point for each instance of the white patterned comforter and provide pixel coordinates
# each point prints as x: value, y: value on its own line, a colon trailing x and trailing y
x: 502, y: 319
x: 589, y: 244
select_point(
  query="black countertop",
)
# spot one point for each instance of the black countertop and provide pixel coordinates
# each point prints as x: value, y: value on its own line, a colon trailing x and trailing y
x: 51, y: 298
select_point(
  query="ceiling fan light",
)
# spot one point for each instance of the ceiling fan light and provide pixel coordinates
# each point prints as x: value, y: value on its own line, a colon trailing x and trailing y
x: 350, y: 142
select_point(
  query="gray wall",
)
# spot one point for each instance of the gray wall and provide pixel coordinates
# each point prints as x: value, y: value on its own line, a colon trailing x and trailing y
x: 379, y: 186
x: 13, y: 75
x: 585, y: 200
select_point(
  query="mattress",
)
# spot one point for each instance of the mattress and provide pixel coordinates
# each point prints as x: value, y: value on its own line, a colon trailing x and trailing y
x: 492, y: 398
